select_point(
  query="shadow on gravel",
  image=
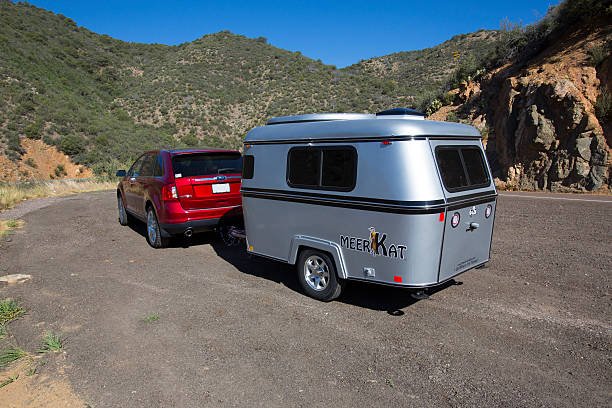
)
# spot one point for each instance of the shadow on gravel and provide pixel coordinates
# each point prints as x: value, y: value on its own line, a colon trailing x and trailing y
x: 269, y: 269
x: 386, y: 298
x: 375, y: 297
x: 205, y: 238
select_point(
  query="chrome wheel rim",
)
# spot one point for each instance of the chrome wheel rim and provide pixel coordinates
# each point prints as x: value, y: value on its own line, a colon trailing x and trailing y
x: 121, y: 209
x: 152, y: 226
x: 316, y: 273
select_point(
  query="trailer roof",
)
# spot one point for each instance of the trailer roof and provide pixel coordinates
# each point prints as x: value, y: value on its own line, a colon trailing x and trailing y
x: 356, y: 126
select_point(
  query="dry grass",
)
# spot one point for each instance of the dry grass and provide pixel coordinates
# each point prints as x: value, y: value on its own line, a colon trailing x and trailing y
x: 13, y: 193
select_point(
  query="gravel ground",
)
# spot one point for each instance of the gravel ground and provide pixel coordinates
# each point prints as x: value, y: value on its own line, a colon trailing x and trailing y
x: 532, y: 329
x: 28, y: 206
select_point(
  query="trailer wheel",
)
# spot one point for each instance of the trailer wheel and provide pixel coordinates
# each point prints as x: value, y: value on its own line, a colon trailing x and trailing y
x: 317, y: 275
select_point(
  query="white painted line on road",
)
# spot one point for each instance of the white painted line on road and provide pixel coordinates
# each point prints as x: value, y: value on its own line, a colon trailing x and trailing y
x: 555, y: 198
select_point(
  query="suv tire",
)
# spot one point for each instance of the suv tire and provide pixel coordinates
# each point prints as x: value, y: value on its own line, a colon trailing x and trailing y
x: 154, y: 236
x: 124, y: 218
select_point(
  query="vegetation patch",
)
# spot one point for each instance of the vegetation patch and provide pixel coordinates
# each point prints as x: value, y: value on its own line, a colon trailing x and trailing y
x: 597, y: 54
x: 6, y: 226
x: 11, y: 354
x: 150, y: 318
x: 10, y: 310
x: 603, y: 105
x: 51, y: 343
x: 9, y: 380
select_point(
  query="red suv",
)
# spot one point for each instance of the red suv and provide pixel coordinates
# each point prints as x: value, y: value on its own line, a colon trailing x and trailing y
x: 180, y: 191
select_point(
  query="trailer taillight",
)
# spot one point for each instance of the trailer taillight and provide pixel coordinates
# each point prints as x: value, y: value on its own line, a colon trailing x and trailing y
x: 386, y: 142
x: 455, y: 220
x: 441, y: 217
x: 169, y: 192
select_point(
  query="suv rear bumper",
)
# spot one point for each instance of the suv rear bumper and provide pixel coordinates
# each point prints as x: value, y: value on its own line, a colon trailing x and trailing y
x: 194, y: 225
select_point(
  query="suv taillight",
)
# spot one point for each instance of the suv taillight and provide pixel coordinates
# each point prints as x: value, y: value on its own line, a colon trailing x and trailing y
x: 169, y: 192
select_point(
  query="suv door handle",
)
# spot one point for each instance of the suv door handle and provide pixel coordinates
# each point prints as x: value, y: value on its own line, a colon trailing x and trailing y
x: 473, y: 226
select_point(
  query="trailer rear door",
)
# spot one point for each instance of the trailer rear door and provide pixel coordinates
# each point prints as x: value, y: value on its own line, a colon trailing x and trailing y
x: 470, y: 195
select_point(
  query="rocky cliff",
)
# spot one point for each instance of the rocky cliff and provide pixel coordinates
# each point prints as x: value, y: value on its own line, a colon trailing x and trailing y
x: 547, y: 120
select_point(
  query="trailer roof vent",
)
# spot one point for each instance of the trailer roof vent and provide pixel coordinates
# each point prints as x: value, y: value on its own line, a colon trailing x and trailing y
x: 404, y: 112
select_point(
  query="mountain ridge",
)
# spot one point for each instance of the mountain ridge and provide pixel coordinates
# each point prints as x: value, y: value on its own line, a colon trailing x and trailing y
x: 102, y: 100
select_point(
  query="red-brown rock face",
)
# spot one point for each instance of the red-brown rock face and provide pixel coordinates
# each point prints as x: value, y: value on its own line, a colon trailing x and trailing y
x: 544, y: 130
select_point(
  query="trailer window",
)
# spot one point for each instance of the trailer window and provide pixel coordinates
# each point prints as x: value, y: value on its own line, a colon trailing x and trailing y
x: 339, y: 168
x: 304, y: 167
x: 248, y: 167
x: 462, y: 168
x: 475, y: 166
x: 328, y: 168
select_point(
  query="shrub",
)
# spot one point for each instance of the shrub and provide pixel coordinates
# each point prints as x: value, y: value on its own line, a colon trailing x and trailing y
x: 72, y: 145
x: 190, y: 140
x: 597, y: 54
x: 433, y: 107
x: 452, y: 117
x: 448, y: 98
x: 33, y: 130
x: 60, y: 171
x: 603, y: 105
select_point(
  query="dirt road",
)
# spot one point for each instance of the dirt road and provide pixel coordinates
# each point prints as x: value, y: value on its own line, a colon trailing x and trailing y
x: 533, y: 329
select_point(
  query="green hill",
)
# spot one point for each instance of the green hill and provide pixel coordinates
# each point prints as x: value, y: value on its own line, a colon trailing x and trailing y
x: 102, y: 100
x: 421, y: 74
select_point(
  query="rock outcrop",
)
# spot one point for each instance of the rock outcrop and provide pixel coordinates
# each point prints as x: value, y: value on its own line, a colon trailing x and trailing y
x: 543, y: 129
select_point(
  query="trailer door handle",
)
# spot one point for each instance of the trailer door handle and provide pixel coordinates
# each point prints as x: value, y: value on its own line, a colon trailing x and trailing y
x: 473, y: 226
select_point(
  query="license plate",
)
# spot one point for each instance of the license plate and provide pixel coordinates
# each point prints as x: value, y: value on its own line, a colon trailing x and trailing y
x: 221, y: 188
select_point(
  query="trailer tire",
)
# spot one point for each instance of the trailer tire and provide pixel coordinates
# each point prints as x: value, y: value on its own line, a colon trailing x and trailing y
x: 317, y: 275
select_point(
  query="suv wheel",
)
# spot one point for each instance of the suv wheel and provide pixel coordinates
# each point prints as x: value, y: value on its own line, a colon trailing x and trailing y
x: 317, y: 275
x: 154, y: 237
x: 123, y: 216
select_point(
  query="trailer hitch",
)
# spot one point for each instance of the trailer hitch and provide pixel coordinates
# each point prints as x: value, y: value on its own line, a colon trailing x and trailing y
x: 231, y: 235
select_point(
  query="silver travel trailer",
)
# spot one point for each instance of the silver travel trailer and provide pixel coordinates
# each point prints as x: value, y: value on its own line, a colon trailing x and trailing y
x: 389, y: 198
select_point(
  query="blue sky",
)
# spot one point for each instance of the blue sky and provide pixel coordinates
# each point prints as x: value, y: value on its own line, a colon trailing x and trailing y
x: 337, y: 32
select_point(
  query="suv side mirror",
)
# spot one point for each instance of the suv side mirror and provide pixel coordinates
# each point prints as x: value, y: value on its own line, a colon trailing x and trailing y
x: 120, y: 173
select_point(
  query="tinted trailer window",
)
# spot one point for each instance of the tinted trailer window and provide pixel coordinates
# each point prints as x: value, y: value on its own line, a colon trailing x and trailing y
x: 189, y: 165
x: 323, y: 168
x: 462, y: 168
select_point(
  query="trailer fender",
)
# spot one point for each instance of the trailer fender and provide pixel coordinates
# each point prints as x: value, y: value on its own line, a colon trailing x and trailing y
x: 315, y: 243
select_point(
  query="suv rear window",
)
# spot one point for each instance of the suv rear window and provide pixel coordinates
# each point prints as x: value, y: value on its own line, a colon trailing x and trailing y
x: 201, y: 164
x: 462, y: 168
